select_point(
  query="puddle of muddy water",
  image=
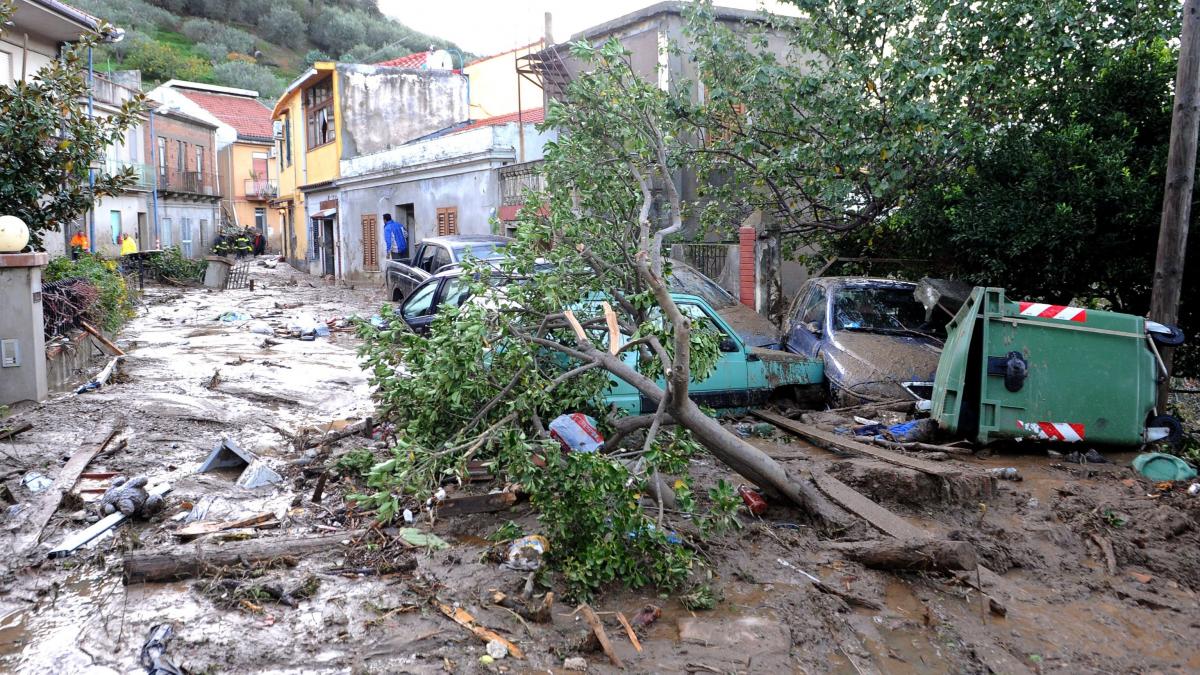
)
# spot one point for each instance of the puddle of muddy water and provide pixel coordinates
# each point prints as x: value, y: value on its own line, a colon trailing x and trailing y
x: 45, y: 638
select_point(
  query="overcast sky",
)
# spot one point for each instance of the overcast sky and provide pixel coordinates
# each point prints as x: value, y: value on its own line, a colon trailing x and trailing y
x: 486, y: 27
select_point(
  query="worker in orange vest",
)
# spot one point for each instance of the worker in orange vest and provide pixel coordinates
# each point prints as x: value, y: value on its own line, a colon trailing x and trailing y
x: 79, y: 244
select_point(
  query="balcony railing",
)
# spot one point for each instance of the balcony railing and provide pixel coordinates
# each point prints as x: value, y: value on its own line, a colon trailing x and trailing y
x: 515, y: 179
x: 187, y: 182
x: 261, y: 188
x: 144, y: 173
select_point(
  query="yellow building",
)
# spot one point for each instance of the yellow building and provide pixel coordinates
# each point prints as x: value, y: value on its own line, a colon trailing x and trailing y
x: 247, y: 177
x: 496, y: 87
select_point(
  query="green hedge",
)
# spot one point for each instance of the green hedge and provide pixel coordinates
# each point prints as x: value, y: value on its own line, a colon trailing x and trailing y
x: 114, y: 307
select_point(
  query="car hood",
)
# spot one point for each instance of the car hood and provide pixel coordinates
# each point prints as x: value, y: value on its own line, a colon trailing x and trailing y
x: 860, y: 357
x: 755, y: 329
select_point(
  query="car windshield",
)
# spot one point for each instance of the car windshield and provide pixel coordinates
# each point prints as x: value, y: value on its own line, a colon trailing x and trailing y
x: 687, y: 280
x: 483, y: 251
x: 880, y: 309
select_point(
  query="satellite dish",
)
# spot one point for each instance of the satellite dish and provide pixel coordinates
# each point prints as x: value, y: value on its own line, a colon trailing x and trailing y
x: 439, y: 59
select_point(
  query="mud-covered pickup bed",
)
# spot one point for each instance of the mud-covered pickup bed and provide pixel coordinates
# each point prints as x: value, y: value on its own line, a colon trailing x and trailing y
x: 433, y: 254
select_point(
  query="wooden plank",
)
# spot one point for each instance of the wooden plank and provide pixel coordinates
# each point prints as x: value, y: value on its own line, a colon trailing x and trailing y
x: 463, y: 618
x: 209, y: 526
x: 589, y: 615
x: 879, y: 517
x: 51, y: 498
x: 461, y: 506
x: 825, y: 438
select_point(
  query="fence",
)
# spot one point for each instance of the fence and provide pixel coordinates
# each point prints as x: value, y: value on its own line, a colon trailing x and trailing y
x: 710, y: 259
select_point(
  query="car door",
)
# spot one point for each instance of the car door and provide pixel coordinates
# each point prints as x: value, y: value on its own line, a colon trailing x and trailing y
x: 725, y: 386
x: 421, y: 306
x: 807, y: 325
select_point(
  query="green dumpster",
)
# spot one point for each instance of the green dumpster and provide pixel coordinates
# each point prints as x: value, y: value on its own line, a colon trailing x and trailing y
x: 1024, y: 370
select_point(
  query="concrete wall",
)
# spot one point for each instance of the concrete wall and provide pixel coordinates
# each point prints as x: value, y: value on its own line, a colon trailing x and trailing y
x: 21, y: 320
x: 108, y: 228
x: 494, y: 82
x: 66, y: 365
x: 174, y: 216
x: 381, y: 108
x: 41, y: 52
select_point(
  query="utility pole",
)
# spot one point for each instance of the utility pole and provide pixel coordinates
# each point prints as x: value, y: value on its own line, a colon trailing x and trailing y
x: 1177, y: 198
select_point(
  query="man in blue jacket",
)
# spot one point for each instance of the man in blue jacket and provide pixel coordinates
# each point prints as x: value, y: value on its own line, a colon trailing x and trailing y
x: 393, y: 237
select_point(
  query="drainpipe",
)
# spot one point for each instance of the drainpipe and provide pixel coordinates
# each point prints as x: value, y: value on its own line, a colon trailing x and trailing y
x: 91, y: 171
x: 154, y: 170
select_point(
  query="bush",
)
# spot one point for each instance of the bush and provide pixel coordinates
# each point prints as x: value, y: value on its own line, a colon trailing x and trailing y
x: 282, y: 24
x: 249, y: 76
x: 159, y: 62
x: 360, y: 53
x: 314, y: 55
x: 173, y: 266
x: 113, y: 308
x: 129, y: 14
x: 212, y: 33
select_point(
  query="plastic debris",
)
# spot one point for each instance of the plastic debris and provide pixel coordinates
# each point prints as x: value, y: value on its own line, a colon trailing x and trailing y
x: 258, y: 474
x: 496, y: 649
x: 1006, y: 473
x: 378, y: 322
x: 1089, y: 457
x: 486, y: 660
x: 305, y: 326
x: 233, y: 316
x: 35, y: 482
x: 576, y: 432
x: 408, y: 516
x: 917, y: 431
x: 153, y: 657
x: 525, y: 554
x: 1160, y: 466
x: 753, y: 500
x: 576, y: 664
x: 418, y: 538
x: 1194, y: 489
x: 260, y: 327
x: 228, y: 455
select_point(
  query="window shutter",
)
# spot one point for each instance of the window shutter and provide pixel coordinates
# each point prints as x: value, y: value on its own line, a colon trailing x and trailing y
x: 370, y: 239
x: 447, y: 221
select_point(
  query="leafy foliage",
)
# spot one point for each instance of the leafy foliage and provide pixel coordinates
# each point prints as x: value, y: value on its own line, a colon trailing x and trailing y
x: 171, y: 264
x: 114, y: 307
x: 50, y: 142
x: 249, y: 76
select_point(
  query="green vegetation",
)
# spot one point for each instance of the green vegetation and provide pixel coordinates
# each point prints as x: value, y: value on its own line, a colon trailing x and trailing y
x: 113, y: 308
x: 172, y: 265
x: 254, y: 44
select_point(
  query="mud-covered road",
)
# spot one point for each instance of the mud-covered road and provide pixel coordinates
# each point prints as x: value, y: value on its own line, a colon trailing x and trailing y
x: 1065, y: 611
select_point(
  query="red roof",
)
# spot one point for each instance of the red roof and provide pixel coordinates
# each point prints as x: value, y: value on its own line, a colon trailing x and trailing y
x: 416, y: 60
x: 248, y: 116
x: 529, y: 116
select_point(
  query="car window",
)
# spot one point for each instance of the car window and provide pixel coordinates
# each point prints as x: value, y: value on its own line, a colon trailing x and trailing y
x: 454, y: 292
x: 882, y: 310
x: 426, y: 258
x: 488, y: 251
x: 687, y: 280
x: 420, y: 303
x: 814, y: 308
x: 441, y: 258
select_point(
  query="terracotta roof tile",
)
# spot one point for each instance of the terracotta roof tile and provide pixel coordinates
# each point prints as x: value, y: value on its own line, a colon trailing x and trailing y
x: 529, y: 116
x: 416, y: 60
x: 249, y: 117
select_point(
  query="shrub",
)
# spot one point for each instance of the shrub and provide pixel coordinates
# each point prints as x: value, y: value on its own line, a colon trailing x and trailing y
x: 205, y: 32
x: 282, y: 24
x: 159, y: 62
x: 314, y: 55
x: 172, y: 265
x: 113, y: 308
x: 249, y: 76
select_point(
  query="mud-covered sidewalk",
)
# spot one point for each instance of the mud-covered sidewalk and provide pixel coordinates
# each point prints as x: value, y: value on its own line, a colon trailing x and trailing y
x: 1096, y: 567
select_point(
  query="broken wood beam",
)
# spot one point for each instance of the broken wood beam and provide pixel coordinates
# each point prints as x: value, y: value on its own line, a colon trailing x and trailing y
x: 593, y: 621
x: 180, y: 562
x: 50, y: 499
x: 304, y: 442
x: 11, y: 432
x: 924, y: 555
x: 461, y: 506
x: 108, y: 344
x: 827, y: 439
x: 210, y: 526
x: 463, y: 618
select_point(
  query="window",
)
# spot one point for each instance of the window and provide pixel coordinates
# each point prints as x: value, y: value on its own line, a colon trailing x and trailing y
x: 318, y: 111
x: 185, y: 236
x: 455, y: 292
x: 114, y: 223
x: 286, y: 155
x: 6, y: 74
x: 420, y: 303
x: 441, y: 258
x: 314, y: 239
x: 814, y: 309
x: 447, y: 221
x: 162, y: 156
x: 180, y: 156
x: 199, y: 159
x: 426, y: 260
x: 260, y: 220
x: 203, y: 229
x: 370, y: 242
x: 165, y: 233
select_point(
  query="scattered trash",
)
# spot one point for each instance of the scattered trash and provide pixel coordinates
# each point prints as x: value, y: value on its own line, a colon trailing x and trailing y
x: 1006, y: 473
x: 1089, y: 457
x: 233, y: 316
x: 915, y: 431
x: 576, y: 664
x: 260, y: 327
x: 633, y: 638
x: 496, y: 649
x: 130, y: 497
x: 463, y: 618
x: 228, y: 455
x: 74, y: 541
x: 153, y: 657
x: 486, y: 660
x: 35, y: 482
x: 1161, y: 466
x: 408, y: 516
x: 753, y: 500
x: 576, y: 432
x: 1194, y: 489
x: 423, y: 539
x: 305, y: 326
x: 378, y: 322
x: 270, y: 264
x: 102, y: 377
x: 761, y: 430
x: 525, y: 554
x: 646, y: 616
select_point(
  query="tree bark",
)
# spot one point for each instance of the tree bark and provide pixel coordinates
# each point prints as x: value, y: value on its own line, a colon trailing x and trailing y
x: 181, y: 562
x: 924, y: 555
x: 1177, y: 198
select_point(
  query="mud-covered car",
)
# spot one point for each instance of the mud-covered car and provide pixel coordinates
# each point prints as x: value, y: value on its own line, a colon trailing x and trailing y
x: 877, y: 340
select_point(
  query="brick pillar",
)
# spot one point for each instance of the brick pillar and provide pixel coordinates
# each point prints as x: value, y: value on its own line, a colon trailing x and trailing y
x: 747, y: 237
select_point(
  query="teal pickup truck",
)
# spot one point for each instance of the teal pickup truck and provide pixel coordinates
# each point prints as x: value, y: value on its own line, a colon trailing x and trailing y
x: 744, y: 377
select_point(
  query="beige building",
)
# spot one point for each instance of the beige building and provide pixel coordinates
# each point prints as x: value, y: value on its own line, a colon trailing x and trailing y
x: 39, y: 28
x: 496, y: 86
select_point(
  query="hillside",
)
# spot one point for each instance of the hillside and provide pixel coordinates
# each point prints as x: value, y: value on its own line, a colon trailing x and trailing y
x: 254, y: 44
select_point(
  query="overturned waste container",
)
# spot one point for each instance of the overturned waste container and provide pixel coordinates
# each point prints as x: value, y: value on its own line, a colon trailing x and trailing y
x: 1025, y: 370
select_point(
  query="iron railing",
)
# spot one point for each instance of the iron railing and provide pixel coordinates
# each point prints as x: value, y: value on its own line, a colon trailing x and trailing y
x: 710, y: 259
x: 515, y: 179
x: 261, y: 188
x: 189, y: 182
x: 144, y: 173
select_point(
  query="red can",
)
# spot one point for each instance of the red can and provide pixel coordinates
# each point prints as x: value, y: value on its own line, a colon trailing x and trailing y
x: 753, y: 500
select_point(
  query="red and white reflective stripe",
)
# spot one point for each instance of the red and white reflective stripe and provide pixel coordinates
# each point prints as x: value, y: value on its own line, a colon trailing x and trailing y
x: 1054, y: 431
x: 1044, y: 311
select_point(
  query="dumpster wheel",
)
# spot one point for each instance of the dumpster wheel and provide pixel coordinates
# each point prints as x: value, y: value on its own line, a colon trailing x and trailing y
x: 1164, y: 428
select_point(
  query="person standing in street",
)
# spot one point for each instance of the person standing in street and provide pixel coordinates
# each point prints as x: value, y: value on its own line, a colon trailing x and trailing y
x: 79, y: 244
x: 393, y: 237
x: 128, y: 245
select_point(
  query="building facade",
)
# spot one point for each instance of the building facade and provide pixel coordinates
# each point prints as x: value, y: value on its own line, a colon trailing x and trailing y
x: 186, y: 191
x: 247, y: 175
x: 335, y: 113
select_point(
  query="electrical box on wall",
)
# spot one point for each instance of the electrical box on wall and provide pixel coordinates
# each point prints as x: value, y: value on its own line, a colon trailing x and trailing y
x: 10, y: 353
